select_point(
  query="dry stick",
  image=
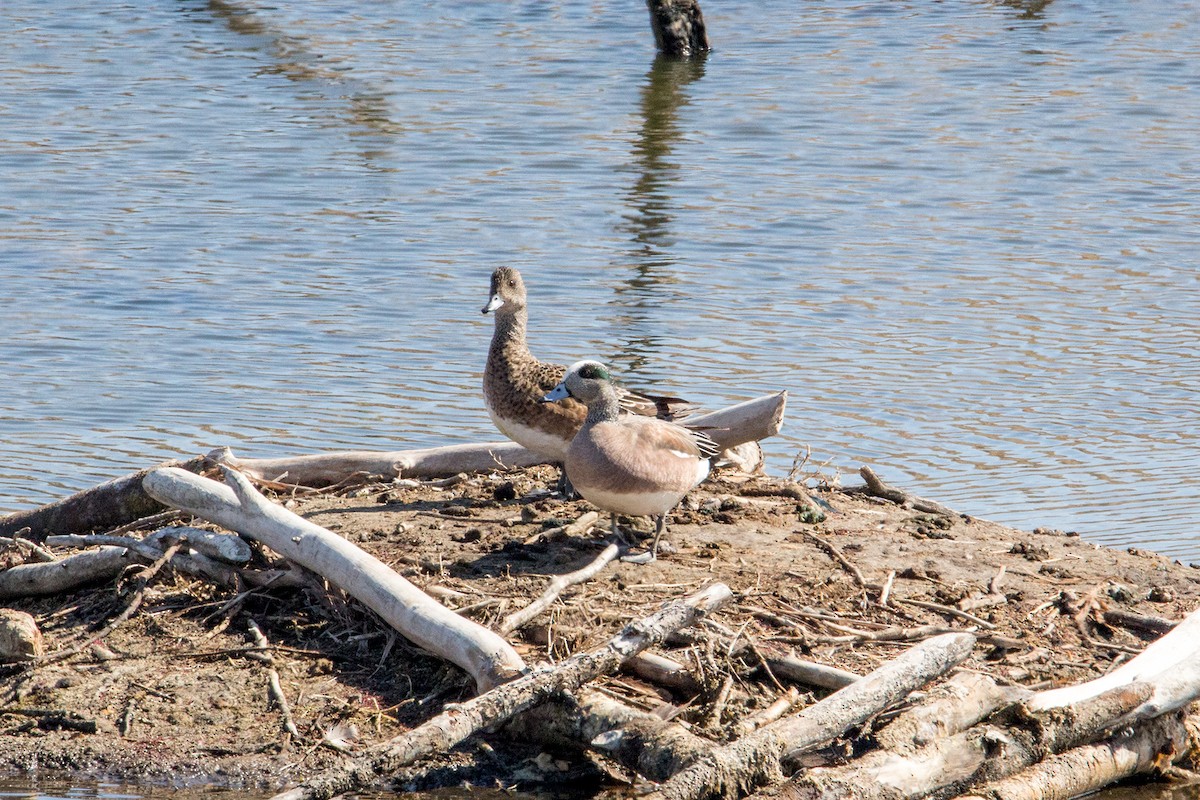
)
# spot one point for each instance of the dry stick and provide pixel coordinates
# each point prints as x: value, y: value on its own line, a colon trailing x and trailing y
x: 737, y: 768
x: 771, y: 713
x: 786, y: 666
x: 519, y: 618
x: 488, y: 657
x: 275, y: 688
x: 193, y: 563
x: 877, y: 488
x: 1092, y: 767
x: 836, y: 554
x: 459, y: 722
x: 749, y: 421
x: 948, y: 610
x: 134, y: 604
x: 662, y: 671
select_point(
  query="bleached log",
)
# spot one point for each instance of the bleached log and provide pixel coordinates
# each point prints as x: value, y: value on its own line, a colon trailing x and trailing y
x: 755, y: 760
x: 1075, y: 773
x: 745, y: 422
x: 637, y: 740
x: 151, y: 549
x: 460, y: 721
x: 325, y: 469
x: 946, y: 766
x: 1171, y: 665
x: 488, y: 658
x: 729, y: 427
x: 102, y: 507
x: 66, y: 574
x: 959, y: 703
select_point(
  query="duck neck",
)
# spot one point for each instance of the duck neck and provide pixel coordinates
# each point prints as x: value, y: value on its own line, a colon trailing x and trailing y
x: 510, y: 332
x: 606, y: 407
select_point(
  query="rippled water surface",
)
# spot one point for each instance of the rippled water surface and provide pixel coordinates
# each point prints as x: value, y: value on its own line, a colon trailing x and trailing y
x: 963, y: 235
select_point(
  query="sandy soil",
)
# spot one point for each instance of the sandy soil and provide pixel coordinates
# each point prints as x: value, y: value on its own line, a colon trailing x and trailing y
x: 173, y: 700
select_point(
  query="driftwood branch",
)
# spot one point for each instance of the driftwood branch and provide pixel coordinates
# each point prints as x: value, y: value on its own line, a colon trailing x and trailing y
x: 1171, y: 665
x: 758, y: 759
x: 518, y: 618
x: 729, y: 427
x: 458, y: 722
x: 638, y: 740
x: 1087, y: 769
x: 64, y: 575
x: 877, y: 488
x: 102, y: 507
x: 488, y: 658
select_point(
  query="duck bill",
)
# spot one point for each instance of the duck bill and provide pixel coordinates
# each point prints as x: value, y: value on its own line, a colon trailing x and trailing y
x: 557, y: 393
x: 493, y: 304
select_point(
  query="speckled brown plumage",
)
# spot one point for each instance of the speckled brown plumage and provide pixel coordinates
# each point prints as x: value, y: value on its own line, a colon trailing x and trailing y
x: 514, y: 380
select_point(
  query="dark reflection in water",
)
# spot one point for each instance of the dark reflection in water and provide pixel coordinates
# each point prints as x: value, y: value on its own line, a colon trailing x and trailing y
x: 651, y: 209
x: 649, y: 199
x: 294, y: 58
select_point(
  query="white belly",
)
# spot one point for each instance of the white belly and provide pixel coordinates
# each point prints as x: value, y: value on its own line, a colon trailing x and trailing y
x: 642, y: 504
x: 538, y: 441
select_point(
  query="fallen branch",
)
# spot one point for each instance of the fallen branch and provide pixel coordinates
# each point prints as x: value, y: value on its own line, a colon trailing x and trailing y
x: 273, y: 685
x: 755, y: 760
x: 488, y: 658
x: 519, y: 618
x: 947, y: 765
x: 637, y: 740
x: 1171, y: 665
x: 745, y: 422
x: 1146, y: 749
x: 64, y: 575
x: 953, y: 707
x: 102, y: 507
x: 877, y: 488
x: 458, y: 722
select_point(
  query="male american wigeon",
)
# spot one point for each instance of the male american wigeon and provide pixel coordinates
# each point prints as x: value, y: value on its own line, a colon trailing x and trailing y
x: 627, y: 464
x: 514, y: 381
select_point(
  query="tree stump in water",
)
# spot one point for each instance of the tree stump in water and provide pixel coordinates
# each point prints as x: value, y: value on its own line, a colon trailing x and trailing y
x: 678, y: 26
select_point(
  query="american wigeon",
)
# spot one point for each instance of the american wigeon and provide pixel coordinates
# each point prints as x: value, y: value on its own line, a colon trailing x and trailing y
x: 514, y: 381
x: 627, y: 464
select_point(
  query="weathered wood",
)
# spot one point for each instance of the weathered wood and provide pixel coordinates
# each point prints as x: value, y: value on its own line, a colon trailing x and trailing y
x: 678, y: 26
x: 755, y: 760
x: 1171, y: 665
x: 64, y: 575
x: 959, y: 703
x: 488, y: 658
x: 1134, y: 751
x: 458, y: 722
x: 729, y: 427
x: 102, y: 507
x: 637, y: 740
x: 876, y: 487
x: 325, y: 469
x: 947, y: 766
x: 560, y: 582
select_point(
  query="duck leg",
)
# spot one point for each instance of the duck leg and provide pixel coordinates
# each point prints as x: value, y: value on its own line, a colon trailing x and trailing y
x: 660, y: 528
x: 564, y: 485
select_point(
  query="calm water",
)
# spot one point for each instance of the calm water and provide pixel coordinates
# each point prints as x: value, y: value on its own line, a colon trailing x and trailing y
x: 963, y: 235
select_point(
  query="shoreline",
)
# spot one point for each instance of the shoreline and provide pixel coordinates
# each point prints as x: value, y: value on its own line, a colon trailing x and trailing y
x: 176, y: 699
